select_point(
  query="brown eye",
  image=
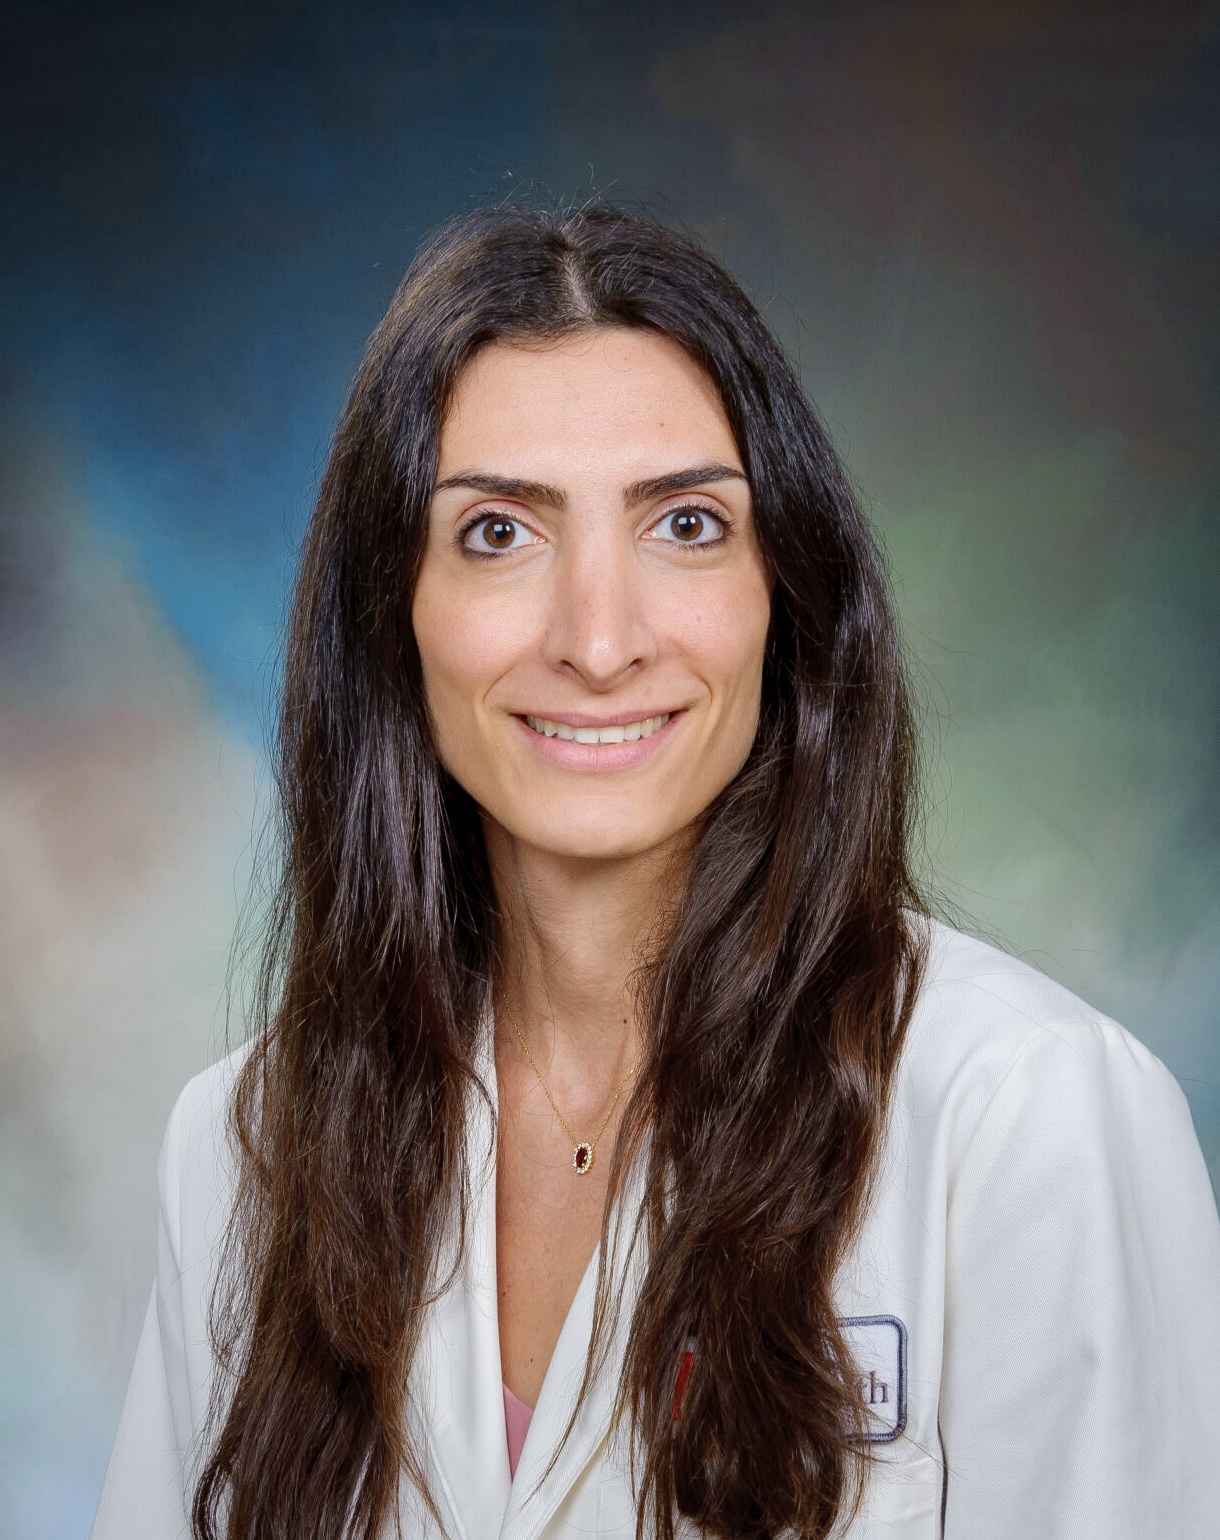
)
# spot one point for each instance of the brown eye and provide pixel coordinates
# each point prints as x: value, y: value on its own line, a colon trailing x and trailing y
x: 691, y: 526
x: 497, y: 533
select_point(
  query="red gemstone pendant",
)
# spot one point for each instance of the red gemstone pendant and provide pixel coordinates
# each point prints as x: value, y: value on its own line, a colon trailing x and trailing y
x: 582, y: 1158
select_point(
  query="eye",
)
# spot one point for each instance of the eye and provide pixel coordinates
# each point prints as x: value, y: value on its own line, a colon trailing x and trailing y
x: 492, y: 533
x: 691, y: 525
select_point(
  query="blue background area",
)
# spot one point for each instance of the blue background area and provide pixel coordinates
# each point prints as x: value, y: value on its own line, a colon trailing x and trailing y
x: 214, y: 211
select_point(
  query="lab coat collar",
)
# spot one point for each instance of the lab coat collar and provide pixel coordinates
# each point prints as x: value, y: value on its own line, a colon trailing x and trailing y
x: 457, y: 1379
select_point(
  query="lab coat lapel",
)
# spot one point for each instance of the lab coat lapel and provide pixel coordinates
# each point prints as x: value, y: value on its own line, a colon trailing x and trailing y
x: 456, y: 1381
x: 536, y: 1494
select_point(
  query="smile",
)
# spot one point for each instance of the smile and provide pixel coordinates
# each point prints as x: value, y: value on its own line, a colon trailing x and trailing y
x: 620, y: 732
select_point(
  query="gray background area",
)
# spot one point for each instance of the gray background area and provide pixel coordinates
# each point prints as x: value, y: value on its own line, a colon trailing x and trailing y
x: 987, y: 233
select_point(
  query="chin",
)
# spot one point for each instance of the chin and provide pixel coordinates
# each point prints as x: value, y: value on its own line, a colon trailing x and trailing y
x: 577, y: 847
x: 574, y: 839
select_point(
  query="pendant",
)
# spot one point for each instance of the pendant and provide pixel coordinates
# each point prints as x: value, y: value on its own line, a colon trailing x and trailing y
x: 582, y: 1158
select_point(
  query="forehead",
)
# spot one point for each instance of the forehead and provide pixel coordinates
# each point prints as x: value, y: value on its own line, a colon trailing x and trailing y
x: 615, y: 392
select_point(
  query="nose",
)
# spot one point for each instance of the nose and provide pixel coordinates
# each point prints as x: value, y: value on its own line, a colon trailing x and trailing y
x: 599, y: 628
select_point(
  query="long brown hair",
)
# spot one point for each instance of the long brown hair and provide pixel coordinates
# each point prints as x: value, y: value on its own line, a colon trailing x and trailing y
x: 774, y: 1009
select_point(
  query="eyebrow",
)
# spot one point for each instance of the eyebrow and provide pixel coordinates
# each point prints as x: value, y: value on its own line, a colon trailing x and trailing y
x: 555, y: 497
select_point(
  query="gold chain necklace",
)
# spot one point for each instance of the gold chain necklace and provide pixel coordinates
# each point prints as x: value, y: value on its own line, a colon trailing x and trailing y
x: 584, y: 1149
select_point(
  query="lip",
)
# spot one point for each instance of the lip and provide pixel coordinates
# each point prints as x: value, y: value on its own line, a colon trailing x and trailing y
x: 599, y: 758
x: 619, y: 719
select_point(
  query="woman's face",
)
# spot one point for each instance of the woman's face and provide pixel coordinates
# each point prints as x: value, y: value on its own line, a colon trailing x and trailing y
x: 592, y: 608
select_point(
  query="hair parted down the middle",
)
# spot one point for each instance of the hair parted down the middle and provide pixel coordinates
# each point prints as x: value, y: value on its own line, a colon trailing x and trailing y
x: 774, y: 1006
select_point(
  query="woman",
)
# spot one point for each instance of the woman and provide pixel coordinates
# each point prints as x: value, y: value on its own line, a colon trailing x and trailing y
x: 608, y: 1067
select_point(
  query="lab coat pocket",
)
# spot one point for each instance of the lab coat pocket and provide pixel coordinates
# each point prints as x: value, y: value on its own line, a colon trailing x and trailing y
x: 616, y: 1510
x: 615, y: 1499
x: 901, y: 1501
x: 616, y: 1515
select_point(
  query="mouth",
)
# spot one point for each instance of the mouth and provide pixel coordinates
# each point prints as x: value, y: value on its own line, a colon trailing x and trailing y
x: 611, y: 732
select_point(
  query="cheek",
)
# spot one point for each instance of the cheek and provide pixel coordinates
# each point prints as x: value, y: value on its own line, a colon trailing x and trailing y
x: 445, y: 654
x: 451, y: 648
x: 464, y: 646
x: 728, y: 638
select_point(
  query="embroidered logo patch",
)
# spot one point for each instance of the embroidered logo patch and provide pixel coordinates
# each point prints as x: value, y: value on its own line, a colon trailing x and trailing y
x: 878, y: 1344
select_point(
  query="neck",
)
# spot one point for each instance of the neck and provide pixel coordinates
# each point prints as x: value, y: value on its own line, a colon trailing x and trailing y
x: 573, y: 935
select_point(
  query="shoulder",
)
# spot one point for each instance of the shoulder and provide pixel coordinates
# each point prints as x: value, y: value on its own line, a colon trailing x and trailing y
x: 991, y: 1037
x: 1026, y: 1130
x: 1046, y: 1229
x: 200, y: 1113
x: 197, y: 1165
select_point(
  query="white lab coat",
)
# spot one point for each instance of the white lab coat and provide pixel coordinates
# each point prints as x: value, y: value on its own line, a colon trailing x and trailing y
x: 1034, y: 1303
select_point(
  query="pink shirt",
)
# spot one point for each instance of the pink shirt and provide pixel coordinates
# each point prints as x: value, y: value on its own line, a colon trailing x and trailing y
x: 516, y: 1424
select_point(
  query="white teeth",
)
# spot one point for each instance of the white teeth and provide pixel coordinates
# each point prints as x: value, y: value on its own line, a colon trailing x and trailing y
x: 620, y: 733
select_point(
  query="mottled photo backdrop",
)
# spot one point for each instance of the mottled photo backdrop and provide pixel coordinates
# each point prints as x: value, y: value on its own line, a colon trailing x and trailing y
x: 988, y: 235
